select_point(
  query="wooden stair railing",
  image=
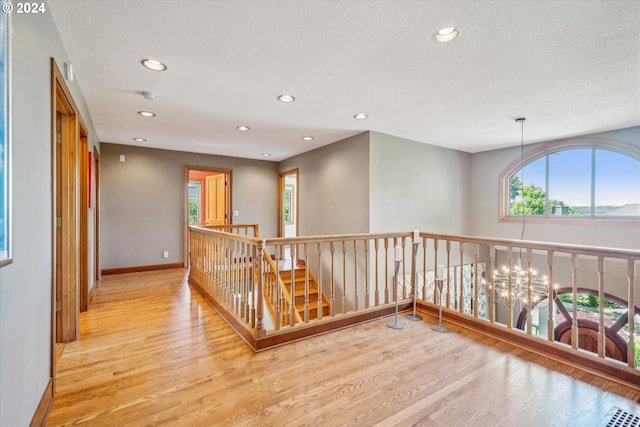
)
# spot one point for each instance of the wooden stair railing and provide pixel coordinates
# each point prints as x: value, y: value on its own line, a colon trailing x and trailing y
x: 309, y: 300
x: 277, y: 285
x: 279, y: 288
x: 246, y: 295
x: 272, y: 289
x: 276, y: 295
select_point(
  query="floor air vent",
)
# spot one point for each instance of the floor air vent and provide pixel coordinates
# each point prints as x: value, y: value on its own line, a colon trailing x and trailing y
x: 616, y: 417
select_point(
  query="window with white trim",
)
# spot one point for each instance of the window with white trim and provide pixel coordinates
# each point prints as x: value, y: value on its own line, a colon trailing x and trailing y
x: 585, y: 179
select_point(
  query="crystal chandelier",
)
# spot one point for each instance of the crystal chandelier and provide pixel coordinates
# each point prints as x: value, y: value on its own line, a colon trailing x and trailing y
x: 522, y: 284
x: 513, y: 284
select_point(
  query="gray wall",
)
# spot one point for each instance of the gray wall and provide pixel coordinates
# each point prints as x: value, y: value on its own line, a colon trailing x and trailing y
x: 485, y: 170
x: 334, y: 187
x: 25, y: 285
x: 379, y: 183
x: 142, y: 205
x: 416, y: 186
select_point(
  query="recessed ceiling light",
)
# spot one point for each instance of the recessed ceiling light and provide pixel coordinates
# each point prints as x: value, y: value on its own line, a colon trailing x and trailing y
x: 360, y: 116
x: 266, y: 154
x: 307, y: 138
x: 243, y: 128
x: 146, y: 94
x: 139, y: 140
x: 146, y: 114
x: 154, y: 65
x: 446, y: 34
x: 286, y: 98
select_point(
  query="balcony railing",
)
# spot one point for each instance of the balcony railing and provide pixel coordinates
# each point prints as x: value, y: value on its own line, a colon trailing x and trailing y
x: 576, y: 302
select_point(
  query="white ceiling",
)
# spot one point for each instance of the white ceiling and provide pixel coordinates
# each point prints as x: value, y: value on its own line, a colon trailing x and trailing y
x: 570, y: 67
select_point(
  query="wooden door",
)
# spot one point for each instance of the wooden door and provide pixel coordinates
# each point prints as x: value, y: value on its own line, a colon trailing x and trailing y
x: 216, y: 200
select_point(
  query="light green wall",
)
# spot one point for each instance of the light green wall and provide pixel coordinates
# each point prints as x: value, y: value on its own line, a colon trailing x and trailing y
x: 25, y: 285
x: 142, y: 203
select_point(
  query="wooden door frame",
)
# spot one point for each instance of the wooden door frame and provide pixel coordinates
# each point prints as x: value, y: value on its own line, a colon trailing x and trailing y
x: 62, y: 102
x: 281, y: 184
x: 96, y: 221
x: 228, y: 173
x: 83, y: 174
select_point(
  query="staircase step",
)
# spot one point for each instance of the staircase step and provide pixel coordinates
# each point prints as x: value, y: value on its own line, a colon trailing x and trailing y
x: 312, y: 305
x: 301, y: 279
x: 299, y: 290
x: 299, y: 274
x: 300, y: 298
x: 313, y: 310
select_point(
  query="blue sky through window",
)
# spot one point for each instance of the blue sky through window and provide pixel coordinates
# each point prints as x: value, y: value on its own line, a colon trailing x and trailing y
x: 570, y: 177
x: 617, y: 177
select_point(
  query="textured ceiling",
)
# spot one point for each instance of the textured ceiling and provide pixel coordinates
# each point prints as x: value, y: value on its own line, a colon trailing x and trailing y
x: 570, y: 67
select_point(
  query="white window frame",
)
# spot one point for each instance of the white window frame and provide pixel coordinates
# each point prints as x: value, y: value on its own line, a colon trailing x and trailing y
x: 545, y: 150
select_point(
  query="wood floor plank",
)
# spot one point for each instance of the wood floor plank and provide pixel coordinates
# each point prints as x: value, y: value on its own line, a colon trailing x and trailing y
x: 153, y: 352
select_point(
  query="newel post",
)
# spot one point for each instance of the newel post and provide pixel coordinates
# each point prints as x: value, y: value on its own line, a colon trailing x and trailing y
x: 260, y: 331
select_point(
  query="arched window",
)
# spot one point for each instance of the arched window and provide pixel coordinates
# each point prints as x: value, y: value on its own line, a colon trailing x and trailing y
x: 574, y: 180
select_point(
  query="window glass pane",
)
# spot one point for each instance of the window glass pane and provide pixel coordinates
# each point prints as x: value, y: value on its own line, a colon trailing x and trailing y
x: 194, y: 202
x: 617, y: 179
x: 288, y: 205
x: 570, y: 182
x: 533, y: 178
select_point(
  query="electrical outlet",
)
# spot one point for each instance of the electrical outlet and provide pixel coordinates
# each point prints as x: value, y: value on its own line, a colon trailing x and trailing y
x: 165, y: 254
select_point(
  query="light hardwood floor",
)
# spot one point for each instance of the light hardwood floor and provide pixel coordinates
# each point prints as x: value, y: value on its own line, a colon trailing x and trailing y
x: 153, y: 352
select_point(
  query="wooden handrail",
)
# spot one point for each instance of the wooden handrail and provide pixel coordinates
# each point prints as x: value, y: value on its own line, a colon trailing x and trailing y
x: 283, y: 288
x: 544, y: 246
x: 357, y: 256
x: 223, y: 228
x: 215, y: 231
x: 524, y: 244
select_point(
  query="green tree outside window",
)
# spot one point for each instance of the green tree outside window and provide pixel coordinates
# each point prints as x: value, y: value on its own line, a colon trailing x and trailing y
x: 530, y: 200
